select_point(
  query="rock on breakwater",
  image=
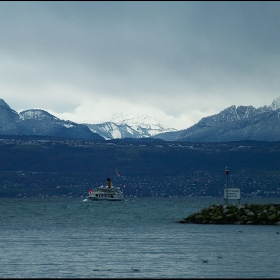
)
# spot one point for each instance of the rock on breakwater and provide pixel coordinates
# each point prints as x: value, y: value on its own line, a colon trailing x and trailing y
x: 244, y: 214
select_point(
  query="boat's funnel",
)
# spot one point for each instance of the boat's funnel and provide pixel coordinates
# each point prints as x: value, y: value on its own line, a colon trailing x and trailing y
x: 108, y: 182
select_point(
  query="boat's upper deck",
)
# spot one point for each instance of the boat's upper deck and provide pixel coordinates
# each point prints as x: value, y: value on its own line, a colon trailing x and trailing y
x: 108, y: 190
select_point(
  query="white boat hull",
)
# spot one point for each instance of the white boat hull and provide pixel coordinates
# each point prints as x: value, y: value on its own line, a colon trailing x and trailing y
x: 105, y: 198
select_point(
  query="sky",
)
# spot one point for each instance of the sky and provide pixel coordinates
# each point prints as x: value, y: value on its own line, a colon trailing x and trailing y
x: 176, y: 62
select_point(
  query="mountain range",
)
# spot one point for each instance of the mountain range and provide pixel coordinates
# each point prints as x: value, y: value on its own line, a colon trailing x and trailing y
x: 235, y: 123
x: 40, y: 123
x: 124, y: 126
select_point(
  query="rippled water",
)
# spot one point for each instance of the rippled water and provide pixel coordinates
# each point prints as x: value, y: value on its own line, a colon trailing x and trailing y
x: 72, y: 238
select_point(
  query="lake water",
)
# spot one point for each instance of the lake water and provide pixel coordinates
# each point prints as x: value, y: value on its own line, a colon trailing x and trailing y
x: 72, y: 238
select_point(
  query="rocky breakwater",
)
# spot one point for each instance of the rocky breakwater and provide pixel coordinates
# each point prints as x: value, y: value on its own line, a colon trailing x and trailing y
x: 240, y: 214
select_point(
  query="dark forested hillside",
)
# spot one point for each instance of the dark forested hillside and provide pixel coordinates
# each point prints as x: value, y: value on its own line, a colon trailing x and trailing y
x: 35, y: 166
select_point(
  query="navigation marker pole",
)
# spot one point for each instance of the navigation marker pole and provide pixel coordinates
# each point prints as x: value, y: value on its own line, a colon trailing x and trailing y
x: 227, y: 172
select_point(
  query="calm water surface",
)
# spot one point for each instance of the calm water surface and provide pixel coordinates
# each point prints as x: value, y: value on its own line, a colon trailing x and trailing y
x: 72, y: 238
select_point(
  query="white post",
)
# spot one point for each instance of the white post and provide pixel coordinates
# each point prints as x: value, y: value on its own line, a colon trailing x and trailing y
x: 227, y: 172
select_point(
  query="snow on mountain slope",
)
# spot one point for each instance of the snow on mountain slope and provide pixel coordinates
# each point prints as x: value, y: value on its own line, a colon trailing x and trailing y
x: 275, y: 104
x: 37, y: 114
x: 234, y: 124
x: 140, y: 123
x: 125, y: 126
x: 40, y: 122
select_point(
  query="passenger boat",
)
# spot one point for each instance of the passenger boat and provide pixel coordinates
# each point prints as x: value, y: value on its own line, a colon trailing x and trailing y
x: 108, y: 192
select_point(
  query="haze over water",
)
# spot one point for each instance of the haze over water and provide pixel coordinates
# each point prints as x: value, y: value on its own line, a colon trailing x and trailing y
x: 72, y: 238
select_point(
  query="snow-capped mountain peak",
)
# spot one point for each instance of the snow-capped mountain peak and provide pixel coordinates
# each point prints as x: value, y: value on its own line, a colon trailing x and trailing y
x: 126, y: 126
x: 275, y: 104
x: 42, y: 115
x: 132, y: 120
x: 37, y: 114
x: 140, y: 123
x: 235, y: 124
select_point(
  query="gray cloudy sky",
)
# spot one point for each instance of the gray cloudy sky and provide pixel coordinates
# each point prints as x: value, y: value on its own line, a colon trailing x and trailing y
x: 174, y: 61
